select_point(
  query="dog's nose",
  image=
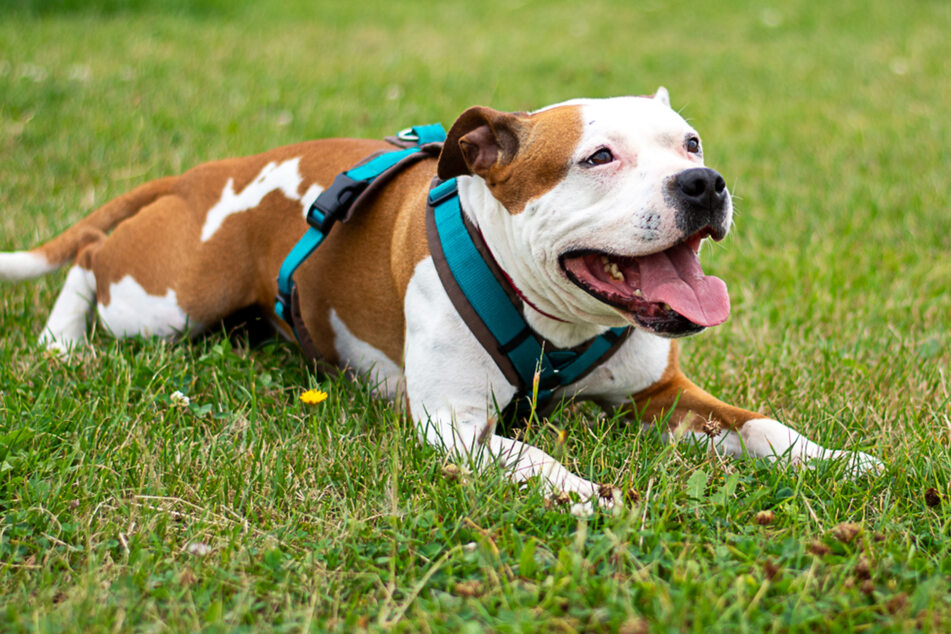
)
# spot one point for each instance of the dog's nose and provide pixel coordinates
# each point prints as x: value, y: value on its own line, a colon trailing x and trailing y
x: 701, y: 187
x: 701, y: 199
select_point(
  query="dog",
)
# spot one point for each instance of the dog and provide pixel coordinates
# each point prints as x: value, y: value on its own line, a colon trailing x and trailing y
x: 594, y: 210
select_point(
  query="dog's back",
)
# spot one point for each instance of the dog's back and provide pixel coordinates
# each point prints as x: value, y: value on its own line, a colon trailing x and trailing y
x: 181, y: 253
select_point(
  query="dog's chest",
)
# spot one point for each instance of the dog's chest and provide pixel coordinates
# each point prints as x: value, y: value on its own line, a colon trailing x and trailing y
x: 442, y: 355
x: 637, y: 365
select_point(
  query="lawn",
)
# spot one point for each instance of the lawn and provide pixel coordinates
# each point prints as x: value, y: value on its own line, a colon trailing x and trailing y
x: 122, y: 508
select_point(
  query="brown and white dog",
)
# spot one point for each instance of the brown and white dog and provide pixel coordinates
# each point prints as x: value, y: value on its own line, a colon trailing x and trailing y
x: 594, y: 209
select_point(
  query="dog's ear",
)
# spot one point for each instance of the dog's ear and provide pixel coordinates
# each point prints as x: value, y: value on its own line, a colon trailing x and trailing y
x: 662, y: 96
x: 480, y: 139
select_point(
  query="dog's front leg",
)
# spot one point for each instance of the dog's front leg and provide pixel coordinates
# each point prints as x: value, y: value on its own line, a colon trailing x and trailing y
x: 467, y: 434
x: 451, y: 411
x: 732, y: 430
x: 453, y: 388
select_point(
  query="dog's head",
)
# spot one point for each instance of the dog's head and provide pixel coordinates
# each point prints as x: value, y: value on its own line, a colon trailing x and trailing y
x: 596, y: 209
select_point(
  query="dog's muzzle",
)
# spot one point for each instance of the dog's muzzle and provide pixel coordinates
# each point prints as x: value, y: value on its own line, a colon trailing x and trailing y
x: 700, y: 196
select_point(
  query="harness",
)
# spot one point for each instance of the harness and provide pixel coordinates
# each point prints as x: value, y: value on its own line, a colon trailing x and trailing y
x: 476, y: 285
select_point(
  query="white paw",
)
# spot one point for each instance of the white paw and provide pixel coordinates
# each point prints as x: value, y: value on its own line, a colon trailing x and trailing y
x: 773, y: 440
x: 604, y: 496
x: 860, y: 464
x: 56, y: 349
x: 857, y: 464
x: 570, y: 483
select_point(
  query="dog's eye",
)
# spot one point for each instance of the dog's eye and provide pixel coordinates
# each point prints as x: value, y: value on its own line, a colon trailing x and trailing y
x: 600, y: 157
x: 693, y: 145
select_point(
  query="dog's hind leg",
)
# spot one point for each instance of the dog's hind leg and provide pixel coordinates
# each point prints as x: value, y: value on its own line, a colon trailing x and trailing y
x: 134, y: 278
x: 142, y: 271
x: 67, y: 323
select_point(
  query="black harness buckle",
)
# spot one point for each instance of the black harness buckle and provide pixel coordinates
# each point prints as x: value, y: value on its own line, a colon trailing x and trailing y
x: 334, y: 202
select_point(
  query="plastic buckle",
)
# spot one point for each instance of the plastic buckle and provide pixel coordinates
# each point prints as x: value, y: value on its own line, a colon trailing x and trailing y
x: 333, y: 203
x: 423, y: 134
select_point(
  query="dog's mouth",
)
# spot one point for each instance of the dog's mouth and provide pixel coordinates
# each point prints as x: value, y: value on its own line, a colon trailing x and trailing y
x: 664, y: 292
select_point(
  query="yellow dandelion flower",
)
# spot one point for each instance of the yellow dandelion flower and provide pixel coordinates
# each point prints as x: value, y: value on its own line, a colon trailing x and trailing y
x: 312, y: 397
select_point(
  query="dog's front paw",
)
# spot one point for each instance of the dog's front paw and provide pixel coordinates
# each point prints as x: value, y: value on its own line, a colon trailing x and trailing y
x: 856, y: 464
x: 56, y: 350
x: 860, y: 464
x: 604, y: 496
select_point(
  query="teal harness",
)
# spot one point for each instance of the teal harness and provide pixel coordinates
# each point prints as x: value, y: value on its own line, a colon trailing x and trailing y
x: 473, y: 280
x: 337, y: 201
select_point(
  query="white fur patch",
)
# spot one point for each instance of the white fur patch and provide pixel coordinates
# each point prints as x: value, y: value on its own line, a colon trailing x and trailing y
x: 768, y: 438
x: 364, y: 358
x: 447, y: 369
x: 275, y: 176
x: 23, y: 265
x: 453, y: 385
x: 309, y: 197
x: 66, y: 325
x: 639, y: 363
x: 132, y: 311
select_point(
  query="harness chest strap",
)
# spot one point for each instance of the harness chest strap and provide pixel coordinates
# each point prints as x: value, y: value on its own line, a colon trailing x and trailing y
x: 486, y: 301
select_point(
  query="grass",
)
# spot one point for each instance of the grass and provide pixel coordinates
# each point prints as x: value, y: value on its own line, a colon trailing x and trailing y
x: 249, y: 510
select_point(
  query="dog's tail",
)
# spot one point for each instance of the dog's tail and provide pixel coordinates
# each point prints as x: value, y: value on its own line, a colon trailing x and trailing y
x: 63, y: 249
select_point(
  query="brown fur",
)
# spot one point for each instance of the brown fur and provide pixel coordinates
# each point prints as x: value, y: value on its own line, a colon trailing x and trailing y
x: 363, y: 268
x: 689, y: 406
x: 503, y: 148
x: 361, y: 271
x: 64, y: 247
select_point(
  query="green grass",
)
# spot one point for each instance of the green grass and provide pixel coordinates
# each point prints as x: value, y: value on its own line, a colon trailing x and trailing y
x: 248, y: 509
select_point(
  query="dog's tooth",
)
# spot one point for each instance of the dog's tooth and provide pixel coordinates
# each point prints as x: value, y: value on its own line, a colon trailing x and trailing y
x: 616, y: 273
x: 604, y: 259
x: 638, y: 293
x: 666, y: 306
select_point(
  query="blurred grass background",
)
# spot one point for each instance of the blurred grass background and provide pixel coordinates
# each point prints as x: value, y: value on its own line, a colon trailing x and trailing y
x: 831, y: 125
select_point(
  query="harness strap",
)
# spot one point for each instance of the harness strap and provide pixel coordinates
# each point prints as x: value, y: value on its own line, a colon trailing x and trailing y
x: 475, y: 285
x: 339, y: 202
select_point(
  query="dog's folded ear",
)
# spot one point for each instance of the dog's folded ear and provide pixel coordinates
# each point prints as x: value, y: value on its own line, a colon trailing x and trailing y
x: 480, y: 139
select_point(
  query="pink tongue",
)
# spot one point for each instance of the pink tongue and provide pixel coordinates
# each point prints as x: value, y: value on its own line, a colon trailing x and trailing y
x: 674, y: 276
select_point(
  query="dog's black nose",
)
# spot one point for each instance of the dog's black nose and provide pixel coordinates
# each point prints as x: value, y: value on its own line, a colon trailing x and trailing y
x: 701, y: 187
x: 700, y: 197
